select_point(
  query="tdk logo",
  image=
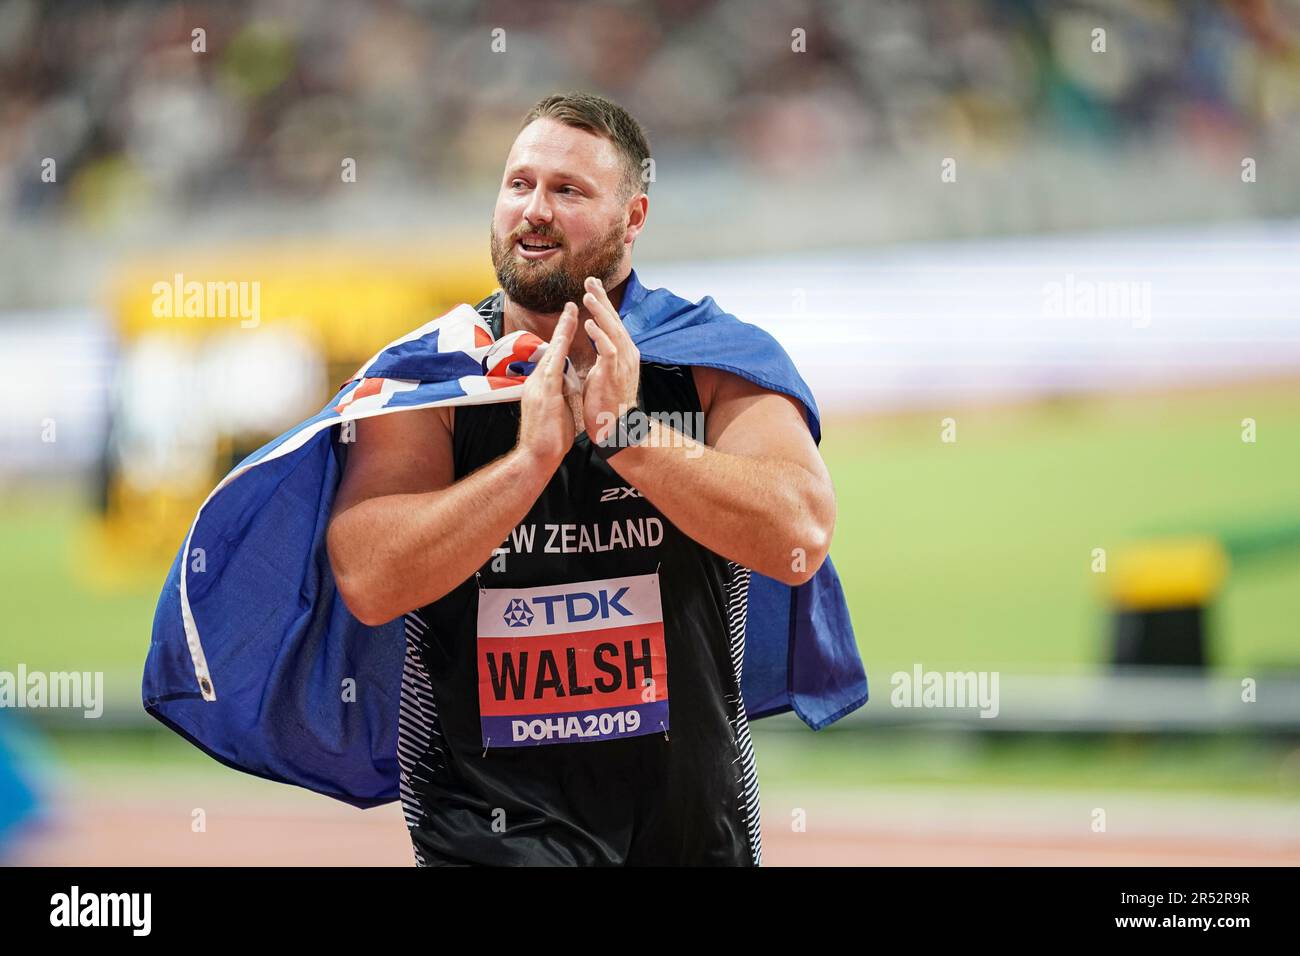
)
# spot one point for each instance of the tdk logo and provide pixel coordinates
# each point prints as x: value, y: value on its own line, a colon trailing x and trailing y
x: 576, y: 606
x: 518, y: 614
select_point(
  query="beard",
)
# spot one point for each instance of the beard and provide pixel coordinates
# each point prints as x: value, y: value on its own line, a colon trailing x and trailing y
x: 545, y: 285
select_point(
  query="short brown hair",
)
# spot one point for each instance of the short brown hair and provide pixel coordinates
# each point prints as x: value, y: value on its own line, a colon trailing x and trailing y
x: 603, y: 117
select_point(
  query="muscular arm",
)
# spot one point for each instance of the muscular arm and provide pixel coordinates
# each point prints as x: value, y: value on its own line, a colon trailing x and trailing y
x: 757, y: 493
x: 403, y: 532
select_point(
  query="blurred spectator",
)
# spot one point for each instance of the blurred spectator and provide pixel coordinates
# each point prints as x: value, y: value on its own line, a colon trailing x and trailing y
x: 133, y: 105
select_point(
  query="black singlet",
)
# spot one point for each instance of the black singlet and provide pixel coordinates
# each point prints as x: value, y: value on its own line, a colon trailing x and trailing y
x: 552, y: 776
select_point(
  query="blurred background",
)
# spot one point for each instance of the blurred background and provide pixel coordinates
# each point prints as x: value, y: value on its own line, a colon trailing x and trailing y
x: 1038, y: 261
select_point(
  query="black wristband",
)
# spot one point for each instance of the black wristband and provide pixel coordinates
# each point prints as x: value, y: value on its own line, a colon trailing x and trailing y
x: 632, y: 428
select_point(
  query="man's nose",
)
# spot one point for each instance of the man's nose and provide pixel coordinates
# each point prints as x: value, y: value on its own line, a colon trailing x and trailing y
x: 538, y: 210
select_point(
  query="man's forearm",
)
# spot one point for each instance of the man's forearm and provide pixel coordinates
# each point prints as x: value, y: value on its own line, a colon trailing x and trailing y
x: 772, y: 516
x: 394, y: 553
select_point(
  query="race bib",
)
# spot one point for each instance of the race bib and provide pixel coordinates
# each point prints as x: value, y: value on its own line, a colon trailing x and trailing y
x: 572, y: 663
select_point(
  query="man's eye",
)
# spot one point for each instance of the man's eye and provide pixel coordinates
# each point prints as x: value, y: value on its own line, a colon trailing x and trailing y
x: 569, y: 190
x: 516, y: 183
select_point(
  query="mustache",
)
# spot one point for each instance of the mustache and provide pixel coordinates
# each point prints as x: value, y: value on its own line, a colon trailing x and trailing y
x: 546, y: 233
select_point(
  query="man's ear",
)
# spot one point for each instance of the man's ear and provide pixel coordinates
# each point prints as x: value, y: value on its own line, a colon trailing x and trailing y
x: 637, y: 209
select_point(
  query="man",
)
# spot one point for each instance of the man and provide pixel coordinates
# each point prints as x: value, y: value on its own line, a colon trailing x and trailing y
x: 577, y: 744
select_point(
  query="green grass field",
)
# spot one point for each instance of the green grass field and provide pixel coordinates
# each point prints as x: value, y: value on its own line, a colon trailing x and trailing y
x: 973, y: 554
x: 977, y: 553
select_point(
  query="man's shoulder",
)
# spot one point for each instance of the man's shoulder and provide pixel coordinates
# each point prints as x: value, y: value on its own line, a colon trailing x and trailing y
x: 710, y: 383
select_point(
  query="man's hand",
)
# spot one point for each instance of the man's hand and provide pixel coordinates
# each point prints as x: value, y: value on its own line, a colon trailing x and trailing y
x: 611, y: 386
x: 545, y: 422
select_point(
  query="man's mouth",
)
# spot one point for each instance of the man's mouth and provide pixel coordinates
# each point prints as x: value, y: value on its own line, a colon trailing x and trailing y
x: 536, y: 247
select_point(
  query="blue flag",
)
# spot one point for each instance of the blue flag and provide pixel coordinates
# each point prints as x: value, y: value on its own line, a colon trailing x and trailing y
x: 252, y: 642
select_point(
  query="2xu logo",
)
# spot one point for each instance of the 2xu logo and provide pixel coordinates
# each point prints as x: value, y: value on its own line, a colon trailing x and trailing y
x: 578, y: 606
x: 618, y: 493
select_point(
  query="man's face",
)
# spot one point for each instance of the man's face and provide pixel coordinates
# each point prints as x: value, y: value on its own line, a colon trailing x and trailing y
x: 560, y: 216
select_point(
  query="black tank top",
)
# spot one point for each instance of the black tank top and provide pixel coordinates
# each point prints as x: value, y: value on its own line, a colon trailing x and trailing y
x: 553, y: 710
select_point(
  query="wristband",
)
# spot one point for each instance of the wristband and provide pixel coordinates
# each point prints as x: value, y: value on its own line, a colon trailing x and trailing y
x: 632, y: 428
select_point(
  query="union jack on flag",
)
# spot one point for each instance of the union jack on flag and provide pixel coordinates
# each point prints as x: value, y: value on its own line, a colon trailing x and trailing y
x: 451, y: 360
